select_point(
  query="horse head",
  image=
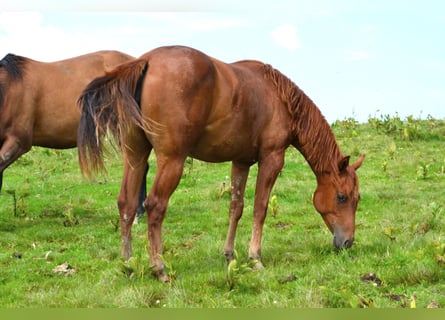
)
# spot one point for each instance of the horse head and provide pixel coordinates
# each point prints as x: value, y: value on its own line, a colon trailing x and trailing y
x: 336, y: 199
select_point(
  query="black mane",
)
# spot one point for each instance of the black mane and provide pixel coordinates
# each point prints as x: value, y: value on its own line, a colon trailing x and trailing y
x: 13, y: 65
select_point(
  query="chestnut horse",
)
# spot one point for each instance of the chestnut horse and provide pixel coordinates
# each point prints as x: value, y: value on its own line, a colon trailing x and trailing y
x: 38, y: 101
x: 190, y: 104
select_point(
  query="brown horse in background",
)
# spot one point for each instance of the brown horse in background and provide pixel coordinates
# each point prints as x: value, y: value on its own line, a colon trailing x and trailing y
x: 38, y: 101
x: 194, y: 105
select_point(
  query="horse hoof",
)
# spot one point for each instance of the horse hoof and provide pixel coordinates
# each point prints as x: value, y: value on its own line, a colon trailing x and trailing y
x: 159, y: 273
x: 257, y: 265
x: 164, y: 278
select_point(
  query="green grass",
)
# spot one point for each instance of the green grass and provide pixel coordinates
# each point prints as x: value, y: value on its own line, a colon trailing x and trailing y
x: 50, y: 215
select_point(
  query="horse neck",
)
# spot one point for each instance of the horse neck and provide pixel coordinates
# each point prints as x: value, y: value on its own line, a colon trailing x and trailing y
x: 311, y: 133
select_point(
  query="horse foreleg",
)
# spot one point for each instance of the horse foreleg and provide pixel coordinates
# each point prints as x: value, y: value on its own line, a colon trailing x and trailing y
x: 268, y: 170
x: 169, y: 172
x: 238, y: 185
x: 11, y: 149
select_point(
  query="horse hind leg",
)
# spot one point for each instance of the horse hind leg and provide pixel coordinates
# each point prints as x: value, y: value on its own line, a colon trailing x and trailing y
x: 238, y: 185
x: 168, y: 175
x: 128, y: 203
x: 135, y: 168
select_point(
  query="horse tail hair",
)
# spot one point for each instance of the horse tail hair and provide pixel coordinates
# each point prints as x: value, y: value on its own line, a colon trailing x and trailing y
x: 110, y: 103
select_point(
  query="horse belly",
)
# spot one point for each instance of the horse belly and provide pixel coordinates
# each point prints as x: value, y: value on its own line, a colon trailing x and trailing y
x: 58, y: 132
x: 225, y: 148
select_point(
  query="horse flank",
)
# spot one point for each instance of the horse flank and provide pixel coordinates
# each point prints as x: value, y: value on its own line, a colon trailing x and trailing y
x: 312, y: 133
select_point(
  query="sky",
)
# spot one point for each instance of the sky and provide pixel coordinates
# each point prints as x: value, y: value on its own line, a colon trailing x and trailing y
x: 353, y: 58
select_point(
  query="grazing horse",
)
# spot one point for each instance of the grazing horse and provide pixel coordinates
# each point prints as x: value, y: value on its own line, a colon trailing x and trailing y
x: 38, y: 101
x: 181, y: 102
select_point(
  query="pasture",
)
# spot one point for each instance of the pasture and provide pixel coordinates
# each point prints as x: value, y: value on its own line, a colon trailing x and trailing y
x: 50, y: 215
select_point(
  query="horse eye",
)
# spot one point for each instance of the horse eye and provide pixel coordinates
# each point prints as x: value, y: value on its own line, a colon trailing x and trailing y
x: 341, y: 197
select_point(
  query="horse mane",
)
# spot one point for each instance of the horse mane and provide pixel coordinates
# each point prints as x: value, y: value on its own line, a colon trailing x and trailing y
x: 13, y: 65
x: 311, y: 132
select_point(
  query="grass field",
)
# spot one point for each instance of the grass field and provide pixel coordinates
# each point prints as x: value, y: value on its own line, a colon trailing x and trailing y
x: 50, y: 215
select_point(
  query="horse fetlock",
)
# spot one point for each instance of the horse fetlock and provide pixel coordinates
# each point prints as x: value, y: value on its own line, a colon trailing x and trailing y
x: 255, y: 260
x: 4, y: 157
x: 230, y: 255
x: 159, y: 272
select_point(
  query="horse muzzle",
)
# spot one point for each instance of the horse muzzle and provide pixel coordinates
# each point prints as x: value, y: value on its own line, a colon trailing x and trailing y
x: 342, y: 241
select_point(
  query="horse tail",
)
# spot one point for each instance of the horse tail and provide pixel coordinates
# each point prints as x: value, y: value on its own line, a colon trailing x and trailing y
x: 110, y: 103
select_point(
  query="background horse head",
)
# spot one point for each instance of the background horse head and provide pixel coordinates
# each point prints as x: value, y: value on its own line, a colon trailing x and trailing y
x: 38, y: 100
x: 181, y: 102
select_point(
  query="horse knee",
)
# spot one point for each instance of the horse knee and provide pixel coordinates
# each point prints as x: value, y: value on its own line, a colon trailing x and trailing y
x: 236, y: 210
x: 126, y: 213
x: 155, y: 210
x: 121, y: 203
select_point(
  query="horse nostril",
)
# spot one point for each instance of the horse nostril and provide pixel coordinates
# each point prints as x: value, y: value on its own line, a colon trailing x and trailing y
x: 347, y: 243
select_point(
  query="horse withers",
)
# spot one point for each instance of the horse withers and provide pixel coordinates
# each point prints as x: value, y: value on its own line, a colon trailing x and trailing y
x: 181, y: 102
x: 38, y: 101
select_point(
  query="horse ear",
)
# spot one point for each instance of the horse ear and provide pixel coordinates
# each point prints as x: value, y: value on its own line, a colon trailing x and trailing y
x: 343, y: 164
x: 359, y: 162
